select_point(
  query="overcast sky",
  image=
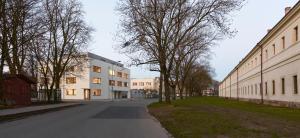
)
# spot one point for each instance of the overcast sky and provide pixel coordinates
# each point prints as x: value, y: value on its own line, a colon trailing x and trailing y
x: 251, y: 22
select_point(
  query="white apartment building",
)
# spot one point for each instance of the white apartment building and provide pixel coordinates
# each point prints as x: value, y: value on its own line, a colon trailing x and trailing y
x: 98, y: 78
x: 144, y: 84
x: 145, y: 87
x: 271, y: 70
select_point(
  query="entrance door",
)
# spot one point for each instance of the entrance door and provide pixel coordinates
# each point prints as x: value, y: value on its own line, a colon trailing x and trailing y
x: 87, y: 94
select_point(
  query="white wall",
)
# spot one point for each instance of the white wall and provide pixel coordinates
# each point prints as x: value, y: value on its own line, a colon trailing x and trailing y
x: 84, y: 80
x: 285, y: 63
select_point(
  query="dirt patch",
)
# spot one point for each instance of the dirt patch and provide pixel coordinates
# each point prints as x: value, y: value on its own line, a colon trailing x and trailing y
x: 164, y: 111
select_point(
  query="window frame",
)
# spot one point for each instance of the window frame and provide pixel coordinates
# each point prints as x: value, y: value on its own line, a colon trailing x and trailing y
x: 95, y: 68
x: 295, y: 83
x: 71, y: 82
x: 282, y: 85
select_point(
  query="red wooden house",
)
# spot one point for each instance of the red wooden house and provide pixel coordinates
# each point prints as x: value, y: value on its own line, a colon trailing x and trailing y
x: 17, y: 89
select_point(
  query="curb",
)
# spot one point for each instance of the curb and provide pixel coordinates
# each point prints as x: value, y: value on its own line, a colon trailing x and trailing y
x: 22, y: 115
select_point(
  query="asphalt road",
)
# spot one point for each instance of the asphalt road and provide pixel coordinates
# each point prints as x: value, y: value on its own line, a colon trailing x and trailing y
x: 95, y: 119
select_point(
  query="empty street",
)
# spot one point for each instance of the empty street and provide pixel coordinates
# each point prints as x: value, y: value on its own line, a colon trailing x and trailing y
x: 107, y: 119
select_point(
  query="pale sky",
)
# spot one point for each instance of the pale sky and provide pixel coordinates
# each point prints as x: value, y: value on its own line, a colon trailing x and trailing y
x: 251, y: 22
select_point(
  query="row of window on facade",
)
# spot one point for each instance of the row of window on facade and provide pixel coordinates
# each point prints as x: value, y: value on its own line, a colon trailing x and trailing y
x: 73, y: 92
x: 98, y: 69
x: 72, y: 80
x: 253, y: 89
x: 119, y: 83
x: 141, y: 84
x: 274, y: 49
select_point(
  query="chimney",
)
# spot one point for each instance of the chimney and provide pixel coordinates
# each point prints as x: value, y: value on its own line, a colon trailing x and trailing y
x: 287, y: 9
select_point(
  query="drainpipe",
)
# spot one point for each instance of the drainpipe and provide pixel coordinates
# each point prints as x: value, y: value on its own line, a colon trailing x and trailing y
x: 237, y: 82
x: 230, y: 87
x: 261, y: 74
x: 225, y: 89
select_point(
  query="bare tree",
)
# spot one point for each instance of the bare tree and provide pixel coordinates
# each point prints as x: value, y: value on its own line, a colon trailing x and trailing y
x: 2, y: 42
x: 154, y: 30
x: 19, y: 27
x: 65, y: 38
x: 200, y: 78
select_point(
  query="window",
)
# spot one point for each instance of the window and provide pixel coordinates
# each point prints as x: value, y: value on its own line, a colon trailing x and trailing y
x: 273, y: 86
x: 119, y: 74
x: 255, y: 61
x: 248, y: 90
x: 148, y: 83
x: 125, y: 84
x: 134, y: 84
x: 255, y: 89
x: 71, y: 69
x: 266, y: 85
x: 71, y: 80
x: 111, y: 82
x: 282, y: 86
x: 96, y: 69
x: 266, y: 54
x: 274, y: 49
x: 251, y: 89
x: 119, y: 83
x: 260, y: 89
x: 96, y: 92
x: 125, y: 75
x: 71, y: 92
x: 111, y: 72
x: 283, y: 42
x: 96, y: 80
x: 141, y: 83
x: 295, y: 84
x: 296, y: 33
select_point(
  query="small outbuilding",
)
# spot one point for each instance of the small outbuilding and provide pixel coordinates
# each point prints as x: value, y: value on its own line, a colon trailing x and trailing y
x: 17, y: 89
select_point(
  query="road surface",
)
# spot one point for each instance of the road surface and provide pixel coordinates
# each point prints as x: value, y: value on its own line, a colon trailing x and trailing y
x: 94, y: 119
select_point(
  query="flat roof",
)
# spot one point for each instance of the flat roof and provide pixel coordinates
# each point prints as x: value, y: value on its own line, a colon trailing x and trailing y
x: 94, y: 56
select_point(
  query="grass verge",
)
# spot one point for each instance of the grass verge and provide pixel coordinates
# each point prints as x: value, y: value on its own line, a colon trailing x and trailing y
x: 216, y: 117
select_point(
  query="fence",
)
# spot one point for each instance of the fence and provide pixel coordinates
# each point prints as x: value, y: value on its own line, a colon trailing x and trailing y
x: 41, y: 95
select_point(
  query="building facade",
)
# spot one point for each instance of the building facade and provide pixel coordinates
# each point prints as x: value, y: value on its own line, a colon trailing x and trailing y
x: 97, y: 78
x: 270, y: 71
x: 146, y: 87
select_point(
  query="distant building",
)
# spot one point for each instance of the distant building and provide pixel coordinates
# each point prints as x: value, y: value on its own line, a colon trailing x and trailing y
x: 208, y: 92
x: 98, y: 78
x: 271, y: 70
x: 145, y: 87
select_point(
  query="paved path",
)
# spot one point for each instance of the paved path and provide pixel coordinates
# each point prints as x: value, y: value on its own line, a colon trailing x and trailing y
x: 119, y: 119
x: 33, y: 108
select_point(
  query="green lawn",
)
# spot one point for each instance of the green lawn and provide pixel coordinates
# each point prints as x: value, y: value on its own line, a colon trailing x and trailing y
x: 216, y: 117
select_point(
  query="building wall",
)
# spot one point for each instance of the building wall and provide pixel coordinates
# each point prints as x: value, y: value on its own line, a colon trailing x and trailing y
x: 280, y: 59
x: 84, y: 80
x: 154, y: 85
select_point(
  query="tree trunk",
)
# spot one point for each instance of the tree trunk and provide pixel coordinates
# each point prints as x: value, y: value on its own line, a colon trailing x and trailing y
x: 49, y: 93
x: 174, y: 92
x: 160, y: 87
x: 167, y: 88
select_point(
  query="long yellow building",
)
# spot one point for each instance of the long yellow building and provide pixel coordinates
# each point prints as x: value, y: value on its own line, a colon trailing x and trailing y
x: 270, y: 71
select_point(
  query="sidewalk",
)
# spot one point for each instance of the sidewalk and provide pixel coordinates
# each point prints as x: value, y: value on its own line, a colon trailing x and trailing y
x: 7, y: 112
